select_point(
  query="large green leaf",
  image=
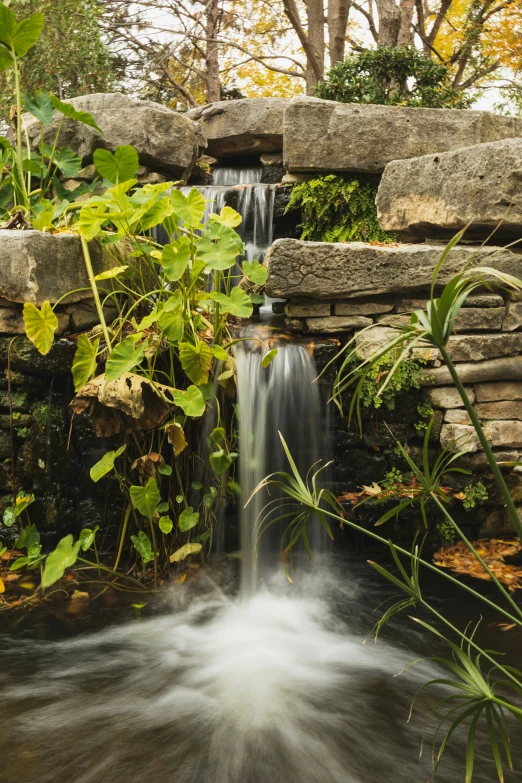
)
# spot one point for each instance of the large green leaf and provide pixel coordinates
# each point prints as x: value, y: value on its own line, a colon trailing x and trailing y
x: 188, y: 519
x: 172, y: 325
x: 125, y: 357
x: 185, y: 551
x: 146, y: 498
x: 157, y: 213
x: 84, y: 363
x: 189, y: 208
x: 227, y: 217
x: 196, y: 361
x: 40, y: 326
x: 143, y: 546
x: 118, y: 167
x: 20, y: 36
x: 106, y: 463
x: 255, y: 272
x: 220, y: 461
x: 40, y: 107
x: 68, y: 110
x: 218, y: 254
x: 191, y: 402
x: 238, y: 303
x: 63, y: 557
x: 67, y: 161
x: 6, y: 58
x: 175, y: 258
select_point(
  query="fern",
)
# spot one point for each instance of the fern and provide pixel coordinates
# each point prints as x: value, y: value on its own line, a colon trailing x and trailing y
x: 335, y: 209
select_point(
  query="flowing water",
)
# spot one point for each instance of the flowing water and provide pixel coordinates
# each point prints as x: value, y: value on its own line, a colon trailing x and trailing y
x: 272, y: 687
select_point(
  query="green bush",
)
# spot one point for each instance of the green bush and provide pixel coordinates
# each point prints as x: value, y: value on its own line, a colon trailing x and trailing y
x: 335, y: 209
x: 402, y: 76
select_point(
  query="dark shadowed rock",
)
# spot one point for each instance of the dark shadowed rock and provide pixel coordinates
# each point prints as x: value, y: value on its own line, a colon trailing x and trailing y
x: 329, y: 136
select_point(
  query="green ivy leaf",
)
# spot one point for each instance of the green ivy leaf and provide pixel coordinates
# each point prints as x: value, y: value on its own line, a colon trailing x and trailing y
x: 220, y: 461
x: 106, y: 463
x: 165, y: 525
x: 63, y: 557
x: 255, y: 272
x: 40, y: 107
x: 143, y: 546
x: 146, y: 498
x: 68, y: 110
x: 40, y: 326
x: 84, y: 363
x: 191, y: 401
x: 188, y: 519
x: 125, y: 357
x: 119, y: 166
x: 175, y: 258
x: 196, y: 361
x: 189, y: 208
x: 238, y: 303
x: 185, y: 551
x: 20, y: 36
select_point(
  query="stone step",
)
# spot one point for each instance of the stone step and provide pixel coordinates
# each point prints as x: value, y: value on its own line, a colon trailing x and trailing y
x: 438, y: 195
x: 328, y: 136
x: 330, y: 271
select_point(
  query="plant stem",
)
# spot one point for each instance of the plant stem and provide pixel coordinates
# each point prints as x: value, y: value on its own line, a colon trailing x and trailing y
x: 499, y: 478
x: 94, y: 289
x: 18, y: 110
x: 110, y: 571
x: 122, y: 537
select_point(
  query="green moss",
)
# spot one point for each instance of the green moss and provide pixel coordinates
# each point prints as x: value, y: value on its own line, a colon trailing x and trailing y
x: 335, y: 209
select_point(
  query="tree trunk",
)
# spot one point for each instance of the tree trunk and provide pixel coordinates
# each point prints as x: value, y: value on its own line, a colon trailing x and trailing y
x: 315, y: 67
x: 389, y: 22
x: 405, y: 35
x: 338, y: 11
x: 213, y: 82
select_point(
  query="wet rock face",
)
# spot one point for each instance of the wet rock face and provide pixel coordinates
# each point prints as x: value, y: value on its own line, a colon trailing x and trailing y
x: 438, y: 195
x: 244, y: 127
x: 329, y: 136
x: 165, y: 140
x: 323, y: 270
x: 25, y: 358
x: 35, y: 266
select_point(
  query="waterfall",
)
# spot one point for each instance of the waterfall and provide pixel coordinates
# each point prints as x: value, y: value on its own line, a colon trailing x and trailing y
x: 279, y: 398
x: 241, y: 188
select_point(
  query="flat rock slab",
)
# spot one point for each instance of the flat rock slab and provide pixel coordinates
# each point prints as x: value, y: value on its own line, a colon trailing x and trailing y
x: 329, y: 136
x: 500, y: 434
x: 245, y: 127
x: 36, y: 266
x: 165, y: 139
x: 498, y: 392
x: 477, y: 347
x: 440, y: 194
x: 503, y: 369
x: 330, y: 271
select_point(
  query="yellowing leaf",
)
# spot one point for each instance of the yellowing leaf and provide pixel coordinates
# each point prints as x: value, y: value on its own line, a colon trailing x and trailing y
x: 2, y: 586
x: 185, y: 551
x: 84, y: 363
x: 40, y: 326
x: 228, y: 217
x: 176, y: 437
x: 110, y: 273
x: 196, y: 361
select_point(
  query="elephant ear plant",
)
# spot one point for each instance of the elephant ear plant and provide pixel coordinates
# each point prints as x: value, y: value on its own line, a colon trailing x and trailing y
x: 480, y: 689
x: 151, y: 373
x: 20, y: 166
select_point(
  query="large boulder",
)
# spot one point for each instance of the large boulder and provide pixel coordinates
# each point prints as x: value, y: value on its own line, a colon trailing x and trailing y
x: 36, y: 266
x: 329, y: 136
x: 441, y: 194
x: 324, y: 270
x: 165, y: 139
x: 246, y: 127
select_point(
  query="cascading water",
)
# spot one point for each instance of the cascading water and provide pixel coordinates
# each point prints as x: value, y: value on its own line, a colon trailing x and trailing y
x: 253, y: 200
x: 281, y: 398
x: 274, y: 688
